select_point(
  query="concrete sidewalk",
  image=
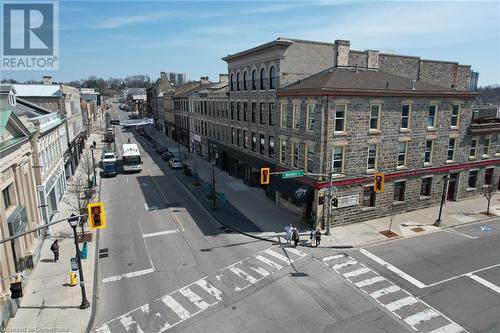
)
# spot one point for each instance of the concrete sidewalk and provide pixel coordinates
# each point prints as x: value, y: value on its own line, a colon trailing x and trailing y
x: 49, y: 303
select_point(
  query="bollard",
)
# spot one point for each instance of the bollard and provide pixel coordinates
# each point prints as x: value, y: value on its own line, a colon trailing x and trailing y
x: 72, y: 279
x: 84, y: 252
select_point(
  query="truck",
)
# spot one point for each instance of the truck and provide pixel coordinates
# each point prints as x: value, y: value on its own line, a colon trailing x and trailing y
x: 109, y: 135
x: 131, y: 158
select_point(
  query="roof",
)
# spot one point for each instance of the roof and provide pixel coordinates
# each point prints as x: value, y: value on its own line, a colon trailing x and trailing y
x: 5, y: 88
x: 25, y: 108
x: 350, y: 79
x: 189, y: 88
x: 4, y: 119
x: 38, y: 90
x: 277, y: 42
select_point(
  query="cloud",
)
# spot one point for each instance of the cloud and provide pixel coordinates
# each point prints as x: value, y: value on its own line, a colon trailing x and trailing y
x: 120, y: 21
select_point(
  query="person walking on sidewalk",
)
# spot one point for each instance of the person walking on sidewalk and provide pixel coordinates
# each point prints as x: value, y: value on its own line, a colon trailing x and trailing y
x: 55, y: 249
x: 288, y: 233
x: 317, y: 237
x: 295, y: 236
x: 312, y: 237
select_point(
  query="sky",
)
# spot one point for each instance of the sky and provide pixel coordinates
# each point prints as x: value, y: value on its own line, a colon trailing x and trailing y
x: 121, y: 38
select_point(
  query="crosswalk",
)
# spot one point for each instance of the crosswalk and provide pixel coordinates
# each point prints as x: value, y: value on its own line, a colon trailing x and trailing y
x: 417, y: 314
x: 186, y: 302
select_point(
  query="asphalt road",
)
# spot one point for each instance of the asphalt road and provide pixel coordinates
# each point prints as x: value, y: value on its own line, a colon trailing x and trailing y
x: 172, y: 268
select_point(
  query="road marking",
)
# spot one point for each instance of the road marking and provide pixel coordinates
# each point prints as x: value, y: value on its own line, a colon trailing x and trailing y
x: 385, y: 291
x: 462, y: 275
x: 392, y: 268
x: 176, y: 307
x: 485, y: 283
x: 176, y: 219
x: 278, y: 256
x: 295, y: 251
x: 243, y: 275
x: 338, y: 256
x: 127, y: 275
x: 260, y: 270
x: 269, y: 262
x: 357, y: 272
x: 146, y: 207
x: 103, y: 329
x: 369, y: 282
x: 345, y: 264
x: 127, y: 179
x: 451, y: 231
x: 401, y: 303
x: 417, y: 318
x: 205, y: 285
x: 160, y: 233
x: 450, y: 328
x: 194, y: 298
x: 127, y: 322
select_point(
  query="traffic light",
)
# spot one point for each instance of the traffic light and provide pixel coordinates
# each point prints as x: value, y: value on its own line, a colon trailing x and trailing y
x: 264, y: 175
x: 378, y: 182
x: 16, y: 290
x: 96, y: 215
x: 335, y: 202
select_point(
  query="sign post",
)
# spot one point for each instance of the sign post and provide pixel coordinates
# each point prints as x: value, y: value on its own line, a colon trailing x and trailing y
x: 292, y: 174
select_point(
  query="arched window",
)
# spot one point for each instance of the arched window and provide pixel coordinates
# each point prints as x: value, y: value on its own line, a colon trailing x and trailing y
x: 232, y: 82
x: 245, y: 81
x: 272, y: 80
x: 238, y: 82
x: 262, y: 78
x: 254, y: 79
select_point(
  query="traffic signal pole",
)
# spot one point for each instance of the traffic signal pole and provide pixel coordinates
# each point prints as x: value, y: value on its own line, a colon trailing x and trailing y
x: 330, y: 196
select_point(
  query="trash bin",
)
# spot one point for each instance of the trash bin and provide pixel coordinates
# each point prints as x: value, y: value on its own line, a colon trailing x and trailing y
x: 84, y: 250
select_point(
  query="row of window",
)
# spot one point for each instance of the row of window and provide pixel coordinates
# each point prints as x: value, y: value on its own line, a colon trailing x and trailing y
x: 247, y: 111
x: 212, y: 108
x: 181, y: 105
x: 292, y: 116
x: 244, y: 83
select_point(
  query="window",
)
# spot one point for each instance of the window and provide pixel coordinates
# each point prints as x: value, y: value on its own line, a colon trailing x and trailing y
x: 232, y: 82
x: 262, y: 79
x: 472, y: 179
x: 254, y: 109
x: 455, y: 112
x: 238, y: 110
x: 282, y: 115
x: 261, y: 112
x: 374, y: 116
x: 340, y: 113
x: 245, y: 81
x: 399, y: 191
x: 310, y: 158
x: 426, y: 187
x: 368, y: 196
x: 402, y: 154
x: 310, y: 117
x: 271, y: 114
x: 254, y: 141
x: 282, y: 158
x: 6, y: 197
x: 372, y: 157
x: 431, y: 118
x: 497, y: 144
x: 486, y: 147
x: 238, y: 82
x: 270, y: 148
x: 473, y: 148
x: 405, y: 117
x: 245, y: 139
x: 245, y: 110
x: 451, y: 149
x: 272, y: 78
x: 488, y: 176
x: 428, y: 151
x: 262, y: 144
x: 338, y: 159
x: 232, y: 110
x: 238, y: 136
x: 254, y: 83
x: 232, y: 135
x: 295, y: 154
x: 296, y: 116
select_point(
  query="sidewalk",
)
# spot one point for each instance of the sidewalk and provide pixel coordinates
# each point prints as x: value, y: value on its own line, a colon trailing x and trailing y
x: 49, y: 303
x: 252, y: 203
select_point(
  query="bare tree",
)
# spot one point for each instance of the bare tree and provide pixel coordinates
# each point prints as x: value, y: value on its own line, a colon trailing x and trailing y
x: 87, y: 166
x: 488, y: 191
x: 78, y: 197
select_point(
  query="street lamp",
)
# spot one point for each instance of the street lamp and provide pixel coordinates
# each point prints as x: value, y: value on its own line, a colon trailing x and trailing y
x: 443, y: 198
x: 73, y: 222
x: 92, y: 147
x: 214, y: 161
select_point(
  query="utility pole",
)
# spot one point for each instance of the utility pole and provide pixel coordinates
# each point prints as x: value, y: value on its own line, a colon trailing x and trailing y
x: 330, y: 196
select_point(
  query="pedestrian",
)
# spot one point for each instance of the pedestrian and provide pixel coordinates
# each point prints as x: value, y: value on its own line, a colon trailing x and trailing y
x: 312, y: 237
x: 128, y: 140
x: 94, y: 144
x: 318, y: 237
x: 55, y: 249
x: 288, y: 233
x: 295, y: 236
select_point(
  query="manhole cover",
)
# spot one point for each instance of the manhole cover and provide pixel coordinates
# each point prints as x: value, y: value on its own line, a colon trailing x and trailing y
x: 418, y: 229
x: 388, y: 233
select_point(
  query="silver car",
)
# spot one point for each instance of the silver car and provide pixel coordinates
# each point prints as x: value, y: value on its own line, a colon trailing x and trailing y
x: 175, y: 163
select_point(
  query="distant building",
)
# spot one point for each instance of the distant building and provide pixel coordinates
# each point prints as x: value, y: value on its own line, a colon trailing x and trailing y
x: 177, y: 78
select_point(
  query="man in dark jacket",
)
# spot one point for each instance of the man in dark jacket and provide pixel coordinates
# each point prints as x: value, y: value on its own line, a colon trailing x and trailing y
x: 55, y: 249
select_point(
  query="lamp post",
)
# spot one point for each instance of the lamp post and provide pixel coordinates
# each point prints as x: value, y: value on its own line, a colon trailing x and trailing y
x: 73, y: 222
x: 214, y: 161
x: 437, y: 223
x: 92, y: 147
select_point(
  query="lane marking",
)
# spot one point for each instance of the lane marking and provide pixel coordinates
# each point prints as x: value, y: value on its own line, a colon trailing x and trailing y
x: 243, y: 275
x: 450, y: 328
x: 417, y: 318
x: 295, y: 251
x: 485, y: 283
x: 462, y: 275
x: 369, y: 282
x: 146, y: 207
x: 145, y: 244
x: 127, y: 275
x: 176, y: 219
x: 260, y: 271
x: 205, y: 285
x: 385, y: 291
x: 103, y: 329
x: 345, y: 264
x: 357, y: 272
x: 127, y: 322
x: 176, y: 307
x: 160, y: 233
x: 269, y: 262
x: 194, y: 298
x: 278, y: 256
x: 392, y: 268
x: 401, y: 303
x: 451, y: 231
x: 338, y: 256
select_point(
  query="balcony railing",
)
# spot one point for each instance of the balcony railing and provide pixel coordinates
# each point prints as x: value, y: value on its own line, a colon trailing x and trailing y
x: 484, y: 125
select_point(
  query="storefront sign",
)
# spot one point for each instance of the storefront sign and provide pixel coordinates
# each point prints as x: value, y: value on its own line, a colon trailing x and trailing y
x: 347, y: 201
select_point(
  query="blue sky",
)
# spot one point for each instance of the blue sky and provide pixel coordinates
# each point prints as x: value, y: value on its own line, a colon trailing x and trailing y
x: 120, y: 38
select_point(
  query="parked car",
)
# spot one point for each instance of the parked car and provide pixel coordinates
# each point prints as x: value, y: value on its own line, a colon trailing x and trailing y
x: 109, y: 169
x: 175, y: 163
x: 161, y: 149
x: 108, y: 157
x: 167, y: 155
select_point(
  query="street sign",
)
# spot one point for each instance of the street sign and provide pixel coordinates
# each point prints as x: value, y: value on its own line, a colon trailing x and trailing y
x: 292, y: 174
x: 74, y: 264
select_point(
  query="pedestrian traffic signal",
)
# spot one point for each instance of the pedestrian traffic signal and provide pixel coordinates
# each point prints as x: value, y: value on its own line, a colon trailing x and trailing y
x: 96, y: 215
x: 378, y: 182
x: 16, y: 290
x: 264, y: 175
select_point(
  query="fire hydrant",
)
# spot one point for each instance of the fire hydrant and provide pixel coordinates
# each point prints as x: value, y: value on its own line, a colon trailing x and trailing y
x: 72, y: 279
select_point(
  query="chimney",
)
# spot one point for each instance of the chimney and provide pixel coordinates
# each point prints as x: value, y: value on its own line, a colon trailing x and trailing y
x: 223, y: 78
x: 47, y: 80
x: 342, y: 53
x: 204, y: 80
x: 372, y: 61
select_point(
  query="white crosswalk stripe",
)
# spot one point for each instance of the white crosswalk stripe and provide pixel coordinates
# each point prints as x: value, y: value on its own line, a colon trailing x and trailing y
x: 357, y: 272
x: 194, y: 298
x: 243, y: 275
x: 128, y: 323
x: 345, y: 264
x: 401, y: 303
x: 450, y: 328
x: 269, y: 262
x: 205, y: 285
x: 176, y: 307
x: 337, y: 256
x: 421, y: 316
x: 260, y: 270
x: 278, y: 256
x: 369, y: 282
x: 385, y: 291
